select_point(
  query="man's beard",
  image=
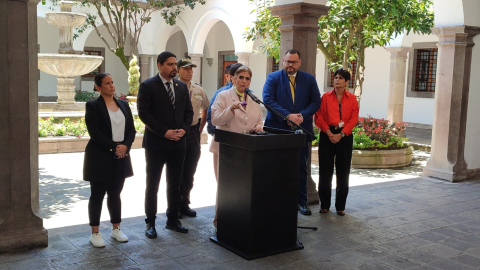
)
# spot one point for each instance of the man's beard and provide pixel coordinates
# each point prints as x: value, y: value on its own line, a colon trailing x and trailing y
x: 172, y: 74
x: 290, y: 71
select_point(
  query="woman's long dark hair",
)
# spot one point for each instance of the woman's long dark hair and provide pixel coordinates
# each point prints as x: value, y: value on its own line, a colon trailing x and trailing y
x: 99, y: 79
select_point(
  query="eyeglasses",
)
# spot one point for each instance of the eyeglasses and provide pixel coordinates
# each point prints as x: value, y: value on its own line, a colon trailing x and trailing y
x: 293, y: 63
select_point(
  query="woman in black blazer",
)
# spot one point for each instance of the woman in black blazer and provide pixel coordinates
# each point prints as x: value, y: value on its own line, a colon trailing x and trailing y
x: 107, y: 162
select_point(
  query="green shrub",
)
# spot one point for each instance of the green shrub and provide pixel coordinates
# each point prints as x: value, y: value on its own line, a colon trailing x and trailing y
x: 84, y: 96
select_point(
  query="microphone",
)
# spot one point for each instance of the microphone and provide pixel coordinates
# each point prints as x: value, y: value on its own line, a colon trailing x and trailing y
x: 252, y: 95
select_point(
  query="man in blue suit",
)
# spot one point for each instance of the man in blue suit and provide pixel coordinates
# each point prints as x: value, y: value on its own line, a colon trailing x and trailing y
x: 295, y: 94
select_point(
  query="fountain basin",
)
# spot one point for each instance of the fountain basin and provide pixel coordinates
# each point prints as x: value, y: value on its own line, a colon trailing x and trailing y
x: 66, y: 19
x: 66, y: 65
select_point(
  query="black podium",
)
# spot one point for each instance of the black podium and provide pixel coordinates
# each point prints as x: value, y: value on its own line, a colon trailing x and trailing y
x: 257, y: 192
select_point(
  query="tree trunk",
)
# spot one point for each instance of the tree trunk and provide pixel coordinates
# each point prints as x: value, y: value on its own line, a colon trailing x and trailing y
x: 121, y: 54
x: 359, y: 74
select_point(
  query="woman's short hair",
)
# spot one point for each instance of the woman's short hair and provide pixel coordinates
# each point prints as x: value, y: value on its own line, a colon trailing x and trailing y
x: 242, y: 69
x: 99, y: 79
x: 344, y: 73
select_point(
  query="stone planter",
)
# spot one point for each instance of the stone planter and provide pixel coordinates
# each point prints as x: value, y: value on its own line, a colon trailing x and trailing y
x: 379, y: 159
x: 55, y: 145
x: 132, y: 99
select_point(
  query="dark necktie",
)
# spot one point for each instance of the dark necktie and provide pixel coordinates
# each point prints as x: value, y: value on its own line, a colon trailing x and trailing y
x: 170, y: 93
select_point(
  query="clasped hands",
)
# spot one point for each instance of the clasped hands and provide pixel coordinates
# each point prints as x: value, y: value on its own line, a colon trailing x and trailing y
x: 121, y: 151
x: 296, y: 118
x: 174, y: 134
x: 334, y: 138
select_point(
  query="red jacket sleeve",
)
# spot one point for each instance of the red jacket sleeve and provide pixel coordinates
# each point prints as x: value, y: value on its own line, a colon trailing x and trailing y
x: 352, y: 122
x: 319, y: 116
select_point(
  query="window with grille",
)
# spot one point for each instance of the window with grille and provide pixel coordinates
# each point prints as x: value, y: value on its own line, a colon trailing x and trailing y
x: 98, y: 69
x: 352, y: 66
x: 426, y: 70
x: 275, y: 64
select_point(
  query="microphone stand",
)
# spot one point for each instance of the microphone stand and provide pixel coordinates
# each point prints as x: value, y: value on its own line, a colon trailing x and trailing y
x: 254, y: 98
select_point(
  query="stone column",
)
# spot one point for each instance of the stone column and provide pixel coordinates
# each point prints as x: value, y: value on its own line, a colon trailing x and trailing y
x: 20, y: 225
x: 299, y: 30
x: 447, y: 160
x: 243, y: 58
x: 153, y: 65
x: 197, y: 72
x: 396, y: 89
x: 144, y: 67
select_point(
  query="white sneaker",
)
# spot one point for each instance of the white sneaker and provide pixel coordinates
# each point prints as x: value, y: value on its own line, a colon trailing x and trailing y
x: 119, y: 235
x: 97, y: 240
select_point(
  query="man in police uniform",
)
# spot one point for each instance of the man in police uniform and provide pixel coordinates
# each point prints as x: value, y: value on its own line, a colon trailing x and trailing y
x: 200, y: 105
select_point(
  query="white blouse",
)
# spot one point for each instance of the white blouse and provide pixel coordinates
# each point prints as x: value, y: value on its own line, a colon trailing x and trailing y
x: 118, y: 125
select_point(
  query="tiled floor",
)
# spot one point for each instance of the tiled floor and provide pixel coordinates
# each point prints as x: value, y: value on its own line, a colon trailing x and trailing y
x: 409, y: 224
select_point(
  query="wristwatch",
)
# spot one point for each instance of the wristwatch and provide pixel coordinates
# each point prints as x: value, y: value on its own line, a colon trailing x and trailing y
x: 343, y: 134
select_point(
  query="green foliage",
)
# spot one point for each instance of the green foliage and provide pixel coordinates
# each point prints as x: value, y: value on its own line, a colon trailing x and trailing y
x: 84, y: 96
x: 349, y: 28
x: 133, y: 76
x: 139, y: 125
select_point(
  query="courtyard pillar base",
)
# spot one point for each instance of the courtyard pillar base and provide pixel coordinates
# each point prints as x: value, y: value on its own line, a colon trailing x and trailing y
x: 20, y: 225
x: 396, y: 89
x: 447, y: 161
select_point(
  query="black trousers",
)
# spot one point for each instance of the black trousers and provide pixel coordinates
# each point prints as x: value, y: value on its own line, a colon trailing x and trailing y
x: 113, y: 189
x: 340, y: 155
x: 173, y: 159
x: 192, y: 155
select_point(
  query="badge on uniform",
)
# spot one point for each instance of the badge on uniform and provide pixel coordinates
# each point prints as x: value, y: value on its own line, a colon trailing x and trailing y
x: 341, y: 124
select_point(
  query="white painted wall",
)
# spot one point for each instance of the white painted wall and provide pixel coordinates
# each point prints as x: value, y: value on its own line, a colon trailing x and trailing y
x: 218, y: 39
x: 448, y: 12
x: 113, y: 65
x: 48, y: 39
x: 177, y: 45
x: 258, y: 65
x: 374, y: 99
x: 472, y: 146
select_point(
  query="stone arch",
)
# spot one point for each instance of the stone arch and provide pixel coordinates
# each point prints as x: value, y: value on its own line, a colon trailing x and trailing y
x: 177, y: 43
x: 205, y: 24
x: 167, y: 31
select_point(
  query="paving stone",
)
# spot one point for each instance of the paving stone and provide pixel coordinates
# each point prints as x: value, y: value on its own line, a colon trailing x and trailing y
x: 432, y: 236
x: 327, y: 248
x: 64, y: 259
x: 117, y: 262
x: 398, y: 262
x: 295, y: 266
x: 467, y: 260
x: 167, y: 265
x: 447, y: 264
x: 372, y: 251
x: 77, y: 266
x: 147, y: 256
x: 372, y: 265
x: 196, y: 261
x: 441, y: 250
x: 179, y: 250
x: 57, y: 244
x: 19, y: 256
x: 94, y: 253
x: 29, y: 264
x: 325, y: 263
x: 419, y: 256
x: 349, y: 258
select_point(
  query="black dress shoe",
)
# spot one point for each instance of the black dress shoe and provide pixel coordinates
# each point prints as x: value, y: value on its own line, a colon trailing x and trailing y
x: 304, y: 210
x: 150, y: 232
x: 179, y: 215
x: 174, y: 224
x: 188, y: 212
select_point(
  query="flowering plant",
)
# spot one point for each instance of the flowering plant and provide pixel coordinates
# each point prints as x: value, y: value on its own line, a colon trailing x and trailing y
x: 374, y: 133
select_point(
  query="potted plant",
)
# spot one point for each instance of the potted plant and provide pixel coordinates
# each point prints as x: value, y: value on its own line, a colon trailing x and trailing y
x: 377, y: 144
x: 133, y: 80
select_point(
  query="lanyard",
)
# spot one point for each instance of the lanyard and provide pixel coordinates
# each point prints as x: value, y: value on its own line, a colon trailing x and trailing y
x: 339, y: 106
x: 294, y: 83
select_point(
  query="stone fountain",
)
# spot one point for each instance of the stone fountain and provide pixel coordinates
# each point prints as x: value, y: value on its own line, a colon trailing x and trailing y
x: 68, y: 63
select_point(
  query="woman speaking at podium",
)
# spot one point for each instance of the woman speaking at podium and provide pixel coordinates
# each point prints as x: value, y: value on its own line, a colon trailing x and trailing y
x: 233, y: 110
